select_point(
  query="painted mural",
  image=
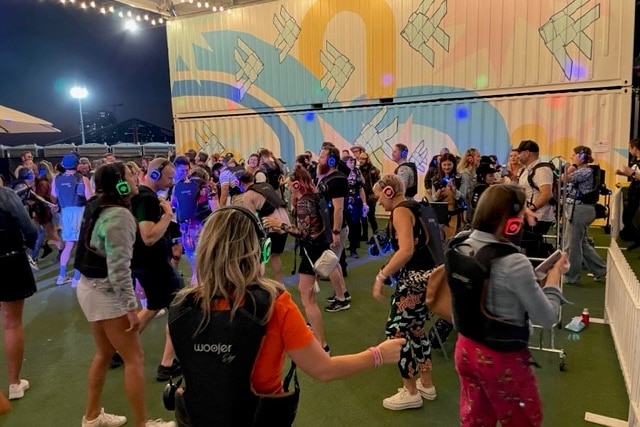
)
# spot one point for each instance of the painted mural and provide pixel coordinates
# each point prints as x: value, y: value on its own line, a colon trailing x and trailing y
x: 291, y: 74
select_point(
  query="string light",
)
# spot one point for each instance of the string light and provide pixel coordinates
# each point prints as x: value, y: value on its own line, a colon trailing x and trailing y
x: 104, y: 6
x: 215, y: 9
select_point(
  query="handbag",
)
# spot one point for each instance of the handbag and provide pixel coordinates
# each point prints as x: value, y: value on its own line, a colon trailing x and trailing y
x: 438, y: 298
x: 279, y: 410
x: 325, y: 264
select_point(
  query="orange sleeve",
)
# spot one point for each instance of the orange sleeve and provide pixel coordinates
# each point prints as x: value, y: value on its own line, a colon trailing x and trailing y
x: 286, y: 330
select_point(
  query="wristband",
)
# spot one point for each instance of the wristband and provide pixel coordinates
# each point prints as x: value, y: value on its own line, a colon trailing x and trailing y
x: 381, y: 278
x: 377, y: 356
x: 336, y: 232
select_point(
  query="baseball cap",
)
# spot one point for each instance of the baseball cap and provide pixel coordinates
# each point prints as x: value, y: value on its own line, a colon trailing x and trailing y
x: 70, y: 161
x: 358, y: 147
x: 528, y: 145
x: 485, y: 169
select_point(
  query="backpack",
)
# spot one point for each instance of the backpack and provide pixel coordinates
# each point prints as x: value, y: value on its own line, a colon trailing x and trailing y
x: 468, y: 274
x: 425, y: 213
x: 323, y: 210
x: 592, y: 197
x: 555, y: 185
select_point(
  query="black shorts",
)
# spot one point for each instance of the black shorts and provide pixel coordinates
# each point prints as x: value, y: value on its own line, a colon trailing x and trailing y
x: 22, y: 284
x: 160, y: 284
x: 312, y: 251
x: 278, y: 242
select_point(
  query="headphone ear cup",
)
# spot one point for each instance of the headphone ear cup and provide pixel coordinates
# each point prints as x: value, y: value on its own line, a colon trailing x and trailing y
x: 404, y: 154
x: 155, y: 174
x: 513, y: 226
x: 295, y: 185
x: 331, y: 161
x: 388, y: 192
x: 123, y: 188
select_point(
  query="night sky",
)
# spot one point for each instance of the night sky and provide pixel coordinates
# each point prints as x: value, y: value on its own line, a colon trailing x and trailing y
x: 46, y: 48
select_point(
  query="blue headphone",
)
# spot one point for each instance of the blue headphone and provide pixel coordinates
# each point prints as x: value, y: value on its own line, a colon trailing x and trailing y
x: 332, y: 160
x: 156, y: 174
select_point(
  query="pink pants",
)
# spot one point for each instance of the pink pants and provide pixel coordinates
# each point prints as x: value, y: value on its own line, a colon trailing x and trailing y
x: 496, y: 386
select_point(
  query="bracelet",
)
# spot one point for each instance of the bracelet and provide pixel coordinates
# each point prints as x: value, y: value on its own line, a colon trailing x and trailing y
x: 381, y: 278
x: 377, y: 356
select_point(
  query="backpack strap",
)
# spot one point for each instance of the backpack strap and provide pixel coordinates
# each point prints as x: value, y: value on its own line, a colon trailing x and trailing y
x: 491, y: 251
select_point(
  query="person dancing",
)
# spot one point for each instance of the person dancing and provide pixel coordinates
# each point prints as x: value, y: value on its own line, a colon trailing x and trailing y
x: 16, y: 231
x: 106, y: 294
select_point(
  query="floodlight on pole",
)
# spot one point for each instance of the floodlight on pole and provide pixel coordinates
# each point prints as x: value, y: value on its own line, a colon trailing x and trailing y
x: 80, y: 93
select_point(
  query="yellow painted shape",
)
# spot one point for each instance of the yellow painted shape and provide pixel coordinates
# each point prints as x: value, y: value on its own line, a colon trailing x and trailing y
x: 381, y: 40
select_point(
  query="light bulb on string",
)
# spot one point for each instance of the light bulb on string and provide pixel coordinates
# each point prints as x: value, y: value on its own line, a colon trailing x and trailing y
x: 206, y: 5
x: 120, y: 14
x: 153, y: 22
x: 63, y: 1
x: 92, y: 4
x: 146, y: 17
x: 83, y: 5
x: 129, y: 14
x: 199, y: 5
x: 138, y: 18
x: 103, y: 10
x: 221, y: 8
x: 112, y: 9
x: 161, y: 21
x: 215, y: 9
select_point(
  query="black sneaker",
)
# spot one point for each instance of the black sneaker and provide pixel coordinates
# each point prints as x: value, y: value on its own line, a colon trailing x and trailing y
x: 116, y: 361
x: 165, y: 373
x: 332, y: 298
x: 337, y: 305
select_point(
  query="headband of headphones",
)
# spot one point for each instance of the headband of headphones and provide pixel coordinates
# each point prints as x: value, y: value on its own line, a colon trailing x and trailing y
x: 514, y: 222
x: 263, y: 238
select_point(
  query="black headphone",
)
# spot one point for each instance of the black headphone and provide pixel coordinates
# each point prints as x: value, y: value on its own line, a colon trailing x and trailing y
x: 514, y: 222
x: 263, y: 238
x: 156, y: 174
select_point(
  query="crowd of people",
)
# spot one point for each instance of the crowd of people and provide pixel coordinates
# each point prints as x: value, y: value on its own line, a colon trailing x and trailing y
x: 130, y: 224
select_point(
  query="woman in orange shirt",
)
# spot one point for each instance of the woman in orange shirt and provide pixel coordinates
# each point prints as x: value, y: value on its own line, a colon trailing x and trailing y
x: 231, y: 331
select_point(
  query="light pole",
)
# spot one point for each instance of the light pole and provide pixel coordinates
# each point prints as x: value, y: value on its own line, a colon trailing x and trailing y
x: 80, y: 93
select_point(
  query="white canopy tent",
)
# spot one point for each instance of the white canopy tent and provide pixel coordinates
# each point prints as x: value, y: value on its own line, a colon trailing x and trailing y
x: 14, y: 121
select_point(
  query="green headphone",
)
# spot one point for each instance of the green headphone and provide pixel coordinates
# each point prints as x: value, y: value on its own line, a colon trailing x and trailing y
x: 122, y: 186
x: 263, y: 238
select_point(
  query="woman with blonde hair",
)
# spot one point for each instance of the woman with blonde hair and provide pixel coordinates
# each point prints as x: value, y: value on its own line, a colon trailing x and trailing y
x: 411, y: 265
x: 467, y: 170
x: 137, y: 171
x: 235, y: 313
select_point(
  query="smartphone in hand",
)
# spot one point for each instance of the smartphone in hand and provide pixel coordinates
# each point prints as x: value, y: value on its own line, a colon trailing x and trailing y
x: 542, y: 269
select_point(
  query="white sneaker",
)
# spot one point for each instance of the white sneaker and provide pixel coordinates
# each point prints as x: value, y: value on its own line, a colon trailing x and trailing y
x: 62, y: 280
x: 403, y: 400
x: 428, y: 393
x: 161, y: 312
x: 160, y: 423
x: 16, y: 391
x: 105, y: 420
x: 74, y: 283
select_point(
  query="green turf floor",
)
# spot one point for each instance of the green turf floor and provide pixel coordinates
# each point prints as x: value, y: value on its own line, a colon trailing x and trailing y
x: 59, y: 348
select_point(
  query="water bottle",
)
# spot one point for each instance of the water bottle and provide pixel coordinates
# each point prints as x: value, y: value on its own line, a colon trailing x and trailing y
x: 585, y: 317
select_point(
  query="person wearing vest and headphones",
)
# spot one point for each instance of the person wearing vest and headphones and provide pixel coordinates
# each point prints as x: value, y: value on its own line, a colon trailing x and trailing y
x: 71, y: 191
x: 263, y: 199
x: 406, y: 170
x: 486, y: 354
x: 411, y: 265
x: 236, y: 314
x: 580, y: 212
x: 106, y: 296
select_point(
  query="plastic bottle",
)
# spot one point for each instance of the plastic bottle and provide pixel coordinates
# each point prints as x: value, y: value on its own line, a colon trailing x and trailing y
x: 585, y: 317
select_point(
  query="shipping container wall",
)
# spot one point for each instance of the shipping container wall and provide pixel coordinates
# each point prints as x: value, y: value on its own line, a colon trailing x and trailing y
x: 599, y: 119
x: 291, y: 54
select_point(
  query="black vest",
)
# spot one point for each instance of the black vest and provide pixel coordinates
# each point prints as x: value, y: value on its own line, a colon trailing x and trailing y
x: 272, y: 199
x: 217, y: 361
x: 412, y: 190
x: 87, y: 261
x: 468, y: 275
